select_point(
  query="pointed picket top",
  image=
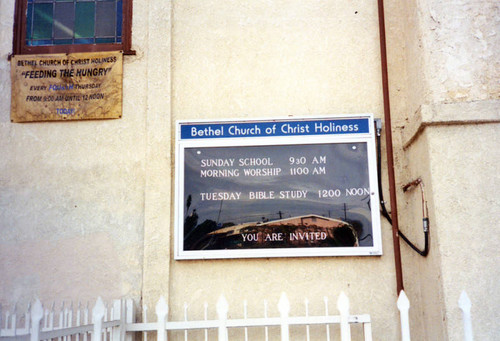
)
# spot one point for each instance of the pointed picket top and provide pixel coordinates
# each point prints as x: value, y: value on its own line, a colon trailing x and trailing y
x: 222, y: 307
x: 343, y: 303
x: 403, y: 301
x: 161, y: 313
x: 284, y: 309
x: 161, y: 309
x: 98, y: 311
x: 404, y: 306
x: 465, y: 305
x: 37, y: 311
x: 343, y: 307
x: 464, y: 302
x: 284, y: 305
x: 36, y: 317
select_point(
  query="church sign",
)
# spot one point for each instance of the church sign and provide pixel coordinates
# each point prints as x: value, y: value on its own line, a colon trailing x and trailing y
x: 276, y: 188
x: 65, y: 87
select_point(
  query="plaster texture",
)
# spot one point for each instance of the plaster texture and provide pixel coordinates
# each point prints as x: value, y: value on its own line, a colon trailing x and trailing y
x: 451, y: 51
x: 422, y: 276
x: 468, y: 204
x: 271, y: 59
x: 448, y: 138
x: 72, y: 194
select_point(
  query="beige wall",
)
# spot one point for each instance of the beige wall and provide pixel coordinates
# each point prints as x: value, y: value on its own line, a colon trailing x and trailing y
x: 80, y: 200
x: 91, y: 202
x: 279, y: 58
x: 449, y: 139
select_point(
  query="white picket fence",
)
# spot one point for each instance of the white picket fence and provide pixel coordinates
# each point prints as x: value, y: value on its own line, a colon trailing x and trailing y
x: 117, y: 323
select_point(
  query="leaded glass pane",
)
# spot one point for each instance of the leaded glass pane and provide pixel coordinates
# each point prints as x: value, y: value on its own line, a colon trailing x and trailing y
x: 119, y: 20
x: 29, y: 22
x: 85, y: 20
x: 64, y: 20
x: 42, y: 21
x: 105, y: 19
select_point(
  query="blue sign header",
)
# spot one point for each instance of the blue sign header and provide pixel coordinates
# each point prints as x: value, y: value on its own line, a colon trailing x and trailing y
x: 275, y: 128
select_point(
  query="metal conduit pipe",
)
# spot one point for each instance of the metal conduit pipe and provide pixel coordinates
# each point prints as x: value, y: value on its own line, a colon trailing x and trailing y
x: 389, y: 149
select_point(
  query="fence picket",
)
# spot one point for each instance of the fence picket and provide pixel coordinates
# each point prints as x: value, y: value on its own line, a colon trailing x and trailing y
x: 51, y: 316
x: 266, y: 329
x: 27, y: 317
x: 161, y: 313
x: 129, y: 315
x: 308, y: 336
x: 145, y: 319
x: 245, y: 316
x: 118, y: 324
x: 78, y: 318
x: 14, y: 320
x: 7, y: 317
x: 404, y: 307
x: 325, y: 299
x: 97, y: 319
x: 36, y: 318
x: 61, y: 317
x: 205, y: 308
x: 284, y: 309
x: 86, y: 320
x: 367, y: 330
x: 343, y: 308
x: 105, y: 319
x: 222, y: 310
x: 185, y: 319
x: 117, y: 333
x: 465, y: 305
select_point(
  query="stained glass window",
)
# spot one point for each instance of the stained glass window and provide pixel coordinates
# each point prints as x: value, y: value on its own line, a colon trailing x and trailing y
x: 67, y: 22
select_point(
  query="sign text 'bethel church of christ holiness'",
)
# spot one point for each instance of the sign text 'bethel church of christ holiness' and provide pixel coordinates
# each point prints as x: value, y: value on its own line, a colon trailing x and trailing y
x: 276, y: 188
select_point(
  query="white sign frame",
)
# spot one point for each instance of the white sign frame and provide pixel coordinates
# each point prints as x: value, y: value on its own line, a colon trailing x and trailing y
x: 223, y: 139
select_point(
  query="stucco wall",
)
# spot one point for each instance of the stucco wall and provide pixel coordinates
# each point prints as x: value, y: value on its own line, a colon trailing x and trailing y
x: 271, y: 59
x: 451, y: 51
x: 448, y: 138
x: 73, y: 194
x: 469, y: 206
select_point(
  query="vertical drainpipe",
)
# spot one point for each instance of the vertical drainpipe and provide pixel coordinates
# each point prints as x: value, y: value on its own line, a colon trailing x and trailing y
x: 388, y: 141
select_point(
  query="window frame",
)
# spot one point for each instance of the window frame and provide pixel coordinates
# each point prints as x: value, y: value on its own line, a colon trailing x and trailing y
x: 19, y: 41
